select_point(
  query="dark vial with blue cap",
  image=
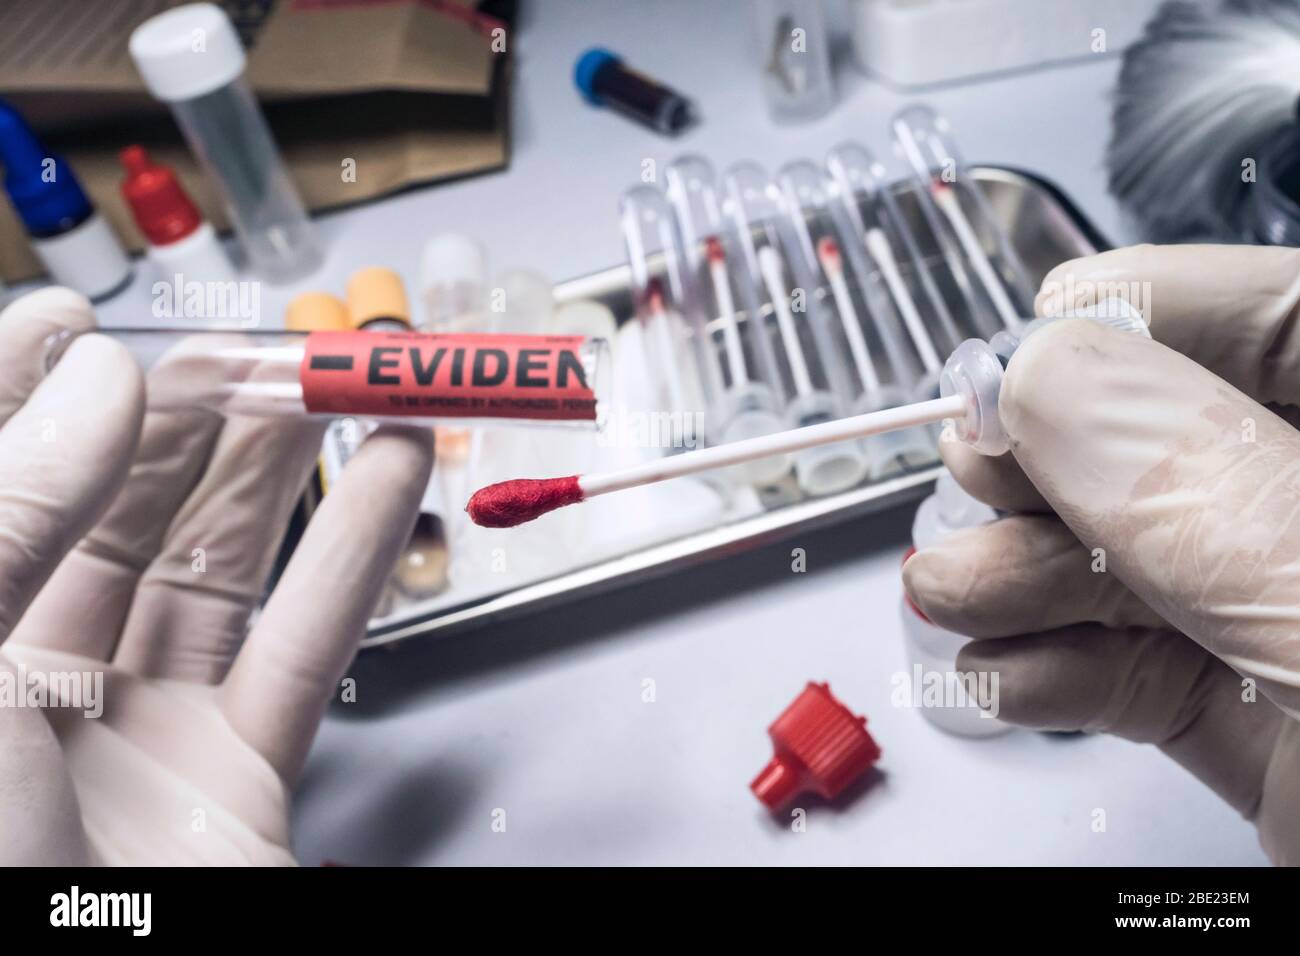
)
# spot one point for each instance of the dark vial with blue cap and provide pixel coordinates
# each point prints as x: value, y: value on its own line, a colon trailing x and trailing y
x: 604, y: 81
x: 74, y: 242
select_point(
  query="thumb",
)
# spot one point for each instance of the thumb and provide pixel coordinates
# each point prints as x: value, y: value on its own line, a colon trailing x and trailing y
x: 1190, y: 489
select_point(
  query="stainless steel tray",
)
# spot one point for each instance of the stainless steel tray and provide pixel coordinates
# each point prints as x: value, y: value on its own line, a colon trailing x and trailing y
x: 1045, y: 230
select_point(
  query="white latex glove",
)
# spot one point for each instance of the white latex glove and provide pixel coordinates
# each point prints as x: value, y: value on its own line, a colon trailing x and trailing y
x: 1191, y: 488
x: 202, y: 732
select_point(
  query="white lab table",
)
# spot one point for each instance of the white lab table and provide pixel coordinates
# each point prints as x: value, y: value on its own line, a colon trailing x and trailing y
x: 544, y: 719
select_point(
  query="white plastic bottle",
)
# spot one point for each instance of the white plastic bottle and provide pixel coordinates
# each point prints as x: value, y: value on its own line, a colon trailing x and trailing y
x: 932, y: 650
x: 73, y: 241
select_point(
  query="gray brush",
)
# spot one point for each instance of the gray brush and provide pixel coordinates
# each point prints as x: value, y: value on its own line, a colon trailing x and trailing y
x: 1210, y: 86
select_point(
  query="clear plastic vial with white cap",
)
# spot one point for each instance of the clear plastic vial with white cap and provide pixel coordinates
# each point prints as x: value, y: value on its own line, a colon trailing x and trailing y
x: 190, y: 57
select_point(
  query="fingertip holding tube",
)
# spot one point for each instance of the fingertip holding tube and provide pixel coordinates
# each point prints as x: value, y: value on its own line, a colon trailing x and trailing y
x: 520, y: 500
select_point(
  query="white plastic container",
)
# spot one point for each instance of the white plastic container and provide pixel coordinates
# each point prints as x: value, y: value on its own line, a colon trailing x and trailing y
x: 933, y: 649
x: 922, y: 42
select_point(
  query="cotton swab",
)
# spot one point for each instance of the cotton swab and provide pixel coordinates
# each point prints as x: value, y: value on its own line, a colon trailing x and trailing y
x: 515, y: 502
x: 880, y: 250
x: 972, y: 376
x: 769, y: 264
x: 947, y: 200
x: 726, y: 311
x: 828, y: 252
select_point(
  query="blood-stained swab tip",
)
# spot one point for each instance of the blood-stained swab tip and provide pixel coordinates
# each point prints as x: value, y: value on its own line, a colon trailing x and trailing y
x: 828, y: 251
x: 654, y: 295
x: 520, y: 500
x: 714, y: 251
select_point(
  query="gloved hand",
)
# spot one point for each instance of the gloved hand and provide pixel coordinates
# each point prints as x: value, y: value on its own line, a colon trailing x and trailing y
x: 202, y: 733
x: 1156, y: 461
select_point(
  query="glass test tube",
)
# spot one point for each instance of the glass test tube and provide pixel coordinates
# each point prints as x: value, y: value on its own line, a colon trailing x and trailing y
x: 868, y: 204
x: 408, y: 378
x: 861, y: 323
x: 872, y: 228
x: 779, y: 263
x: 949, y: 195
x: 736, y: 357
x: 813, y: 256
x: 659, y: 294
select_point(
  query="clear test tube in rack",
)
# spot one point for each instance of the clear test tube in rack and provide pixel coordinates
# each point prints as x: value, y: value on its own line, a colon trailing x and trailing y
x: 954, y: 205
x: 859, y: 318
x: 407, y: 377
x: 781, y: 273
x: 660, y: 296
x: 870, y: 212
x: 735, y: 356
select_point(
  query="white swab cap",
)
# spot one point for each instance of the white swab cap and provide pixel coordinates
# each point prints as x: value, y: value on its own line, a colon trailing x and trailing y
x: 187, y: 51
x: 749, y: 414
x: 894, y: 451
x: 825, y: 469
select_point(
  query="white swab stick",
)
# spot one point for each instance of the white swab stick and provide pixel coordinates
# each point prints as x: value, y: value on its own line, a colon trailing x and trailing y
x: 769, y: 264
x: 661, y: 328
x: 882, y: 252
x: 828, y: 251
x: 727, y: 310
x: 780, y: 443
x: 947, y: 200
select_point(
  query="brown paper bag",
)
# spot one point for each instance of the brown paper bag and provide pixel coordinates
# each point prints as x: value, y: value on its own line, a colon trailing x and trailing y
x: 364, y: 97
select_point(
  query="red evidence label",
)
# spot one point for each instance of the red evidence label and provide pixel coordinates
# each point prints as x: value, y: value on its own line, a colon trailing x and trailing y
x: 447, y: 376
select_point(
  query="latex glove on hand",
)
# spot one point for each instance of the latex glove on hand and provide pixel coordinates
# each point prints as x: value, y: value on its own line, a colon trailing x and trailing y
x: 205, y: 725
x: 1158, y: 459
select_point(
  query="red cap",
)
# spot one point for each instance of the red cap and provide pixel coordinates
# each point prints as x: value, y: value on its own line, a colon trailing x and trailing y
x: 820, y: 746
x: 162, y: 210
